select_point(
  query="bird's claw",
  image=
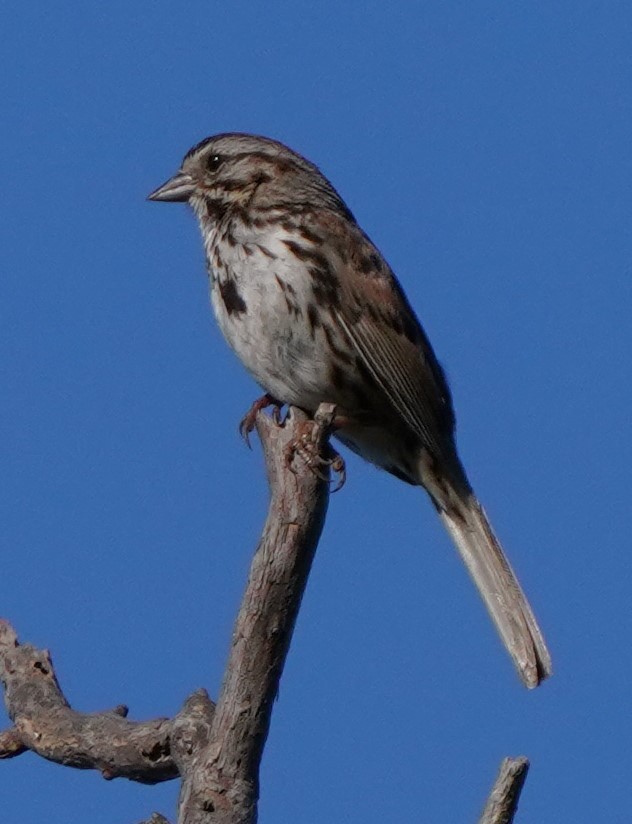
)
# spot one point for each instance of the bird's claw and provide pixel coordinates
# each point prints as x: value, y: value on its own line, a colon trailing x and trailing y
x: 249, y: 420
x: 305, y: 447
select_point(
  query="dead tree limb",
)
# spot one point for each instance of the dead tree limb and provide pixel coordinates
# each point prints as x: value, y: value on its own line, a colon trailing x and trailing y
x: 45, y: 723
x: 502, y: 803
x: 216, y: 750
x: 224, y: 786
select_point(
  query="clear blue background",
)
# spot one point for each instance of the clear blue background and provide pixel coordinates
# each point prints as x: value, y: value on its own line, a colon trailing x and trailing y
x: 485, y: 147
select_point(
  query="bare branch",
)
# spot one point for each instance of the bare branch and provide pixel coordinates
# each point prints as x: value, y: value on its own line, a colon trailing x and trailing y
x: 216, y: 750
x: 11, y: 744
x: 502, y: 803
x: 224, y: 786
x: 45, y: 723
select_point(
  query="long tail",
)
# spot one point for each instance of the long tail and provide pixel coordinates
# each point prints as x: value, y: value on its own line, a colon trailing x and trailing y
x: 465, y: 520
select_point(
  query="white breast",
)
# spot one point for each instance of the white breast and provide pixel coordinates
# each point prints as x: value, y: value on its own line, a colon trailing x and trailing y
x: 271, y: 336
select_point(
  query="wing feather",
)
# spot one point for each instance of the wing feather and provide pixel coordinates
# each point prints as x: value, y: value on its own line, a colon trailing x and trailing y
x: 401, y: 361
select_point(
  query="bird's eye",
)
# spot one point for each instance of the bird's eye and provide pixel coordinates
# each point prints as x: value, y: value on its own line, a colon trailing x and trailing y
x: 214, y: 162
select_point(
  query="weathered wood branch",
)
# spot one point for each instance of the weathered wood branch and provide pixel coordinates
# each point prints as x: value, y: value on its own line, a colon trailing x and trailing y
x: 216, y: 750
x: 502, y: 803
x: 224, y: 786
x: 45, y: 723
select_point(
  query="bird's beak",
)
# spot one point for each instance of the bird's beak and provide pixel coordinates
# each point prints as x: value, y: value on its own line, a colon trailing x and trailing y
x: 178, y: 189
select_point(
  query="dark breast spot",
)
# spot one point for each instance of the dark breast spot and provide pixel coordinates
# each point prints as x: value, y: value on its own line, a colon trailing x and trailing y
x: 233, y: 301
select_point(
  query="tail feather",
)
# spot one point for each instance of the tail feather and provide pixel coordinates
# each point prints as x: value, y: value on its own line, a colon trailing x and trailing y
x: 465, y: 520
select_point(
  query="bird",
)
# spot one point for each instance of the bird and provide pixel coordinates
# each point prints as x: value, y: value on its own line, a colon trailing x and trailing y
x: 316, y: 315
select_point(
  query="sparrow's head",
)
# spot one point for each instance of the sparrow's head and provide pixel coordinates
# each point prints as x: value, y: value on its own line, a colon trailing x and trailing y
x: 243, y: 170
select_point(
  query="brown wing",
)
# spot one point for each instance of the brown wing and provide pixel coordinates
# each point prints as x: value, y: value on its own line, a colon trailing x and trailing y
x: 393, y: 346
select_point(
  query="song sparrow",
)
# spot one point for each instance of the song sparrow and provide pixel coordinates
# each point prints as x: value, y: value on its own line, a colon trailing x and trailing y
x: 316, y: 315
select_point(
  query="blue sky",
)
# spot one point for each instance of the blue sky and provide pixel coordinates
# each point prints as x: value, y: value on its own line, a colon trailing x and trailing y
x: 485, y: 147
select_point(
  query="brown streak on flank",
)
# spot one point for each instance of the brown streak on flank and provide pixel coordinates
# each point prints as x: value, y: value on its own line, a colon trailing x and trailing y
x: 266, y: 251
x: 307, y: 234
x: 325, y: 286
x: 233, y: 301
x: 292, y: 307
x: 285, y: 286
x: 342, y: 355
x: 247, y: 250
x: 313, y: 318
x: 329, y: 335
x: 324, y: 276
x: 302, y: 253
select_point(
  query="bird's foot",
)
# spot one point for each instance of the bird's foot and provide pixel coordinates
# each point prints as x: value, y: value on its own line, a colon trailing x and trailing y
x: 250, y: 418
x: 305, y: 446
